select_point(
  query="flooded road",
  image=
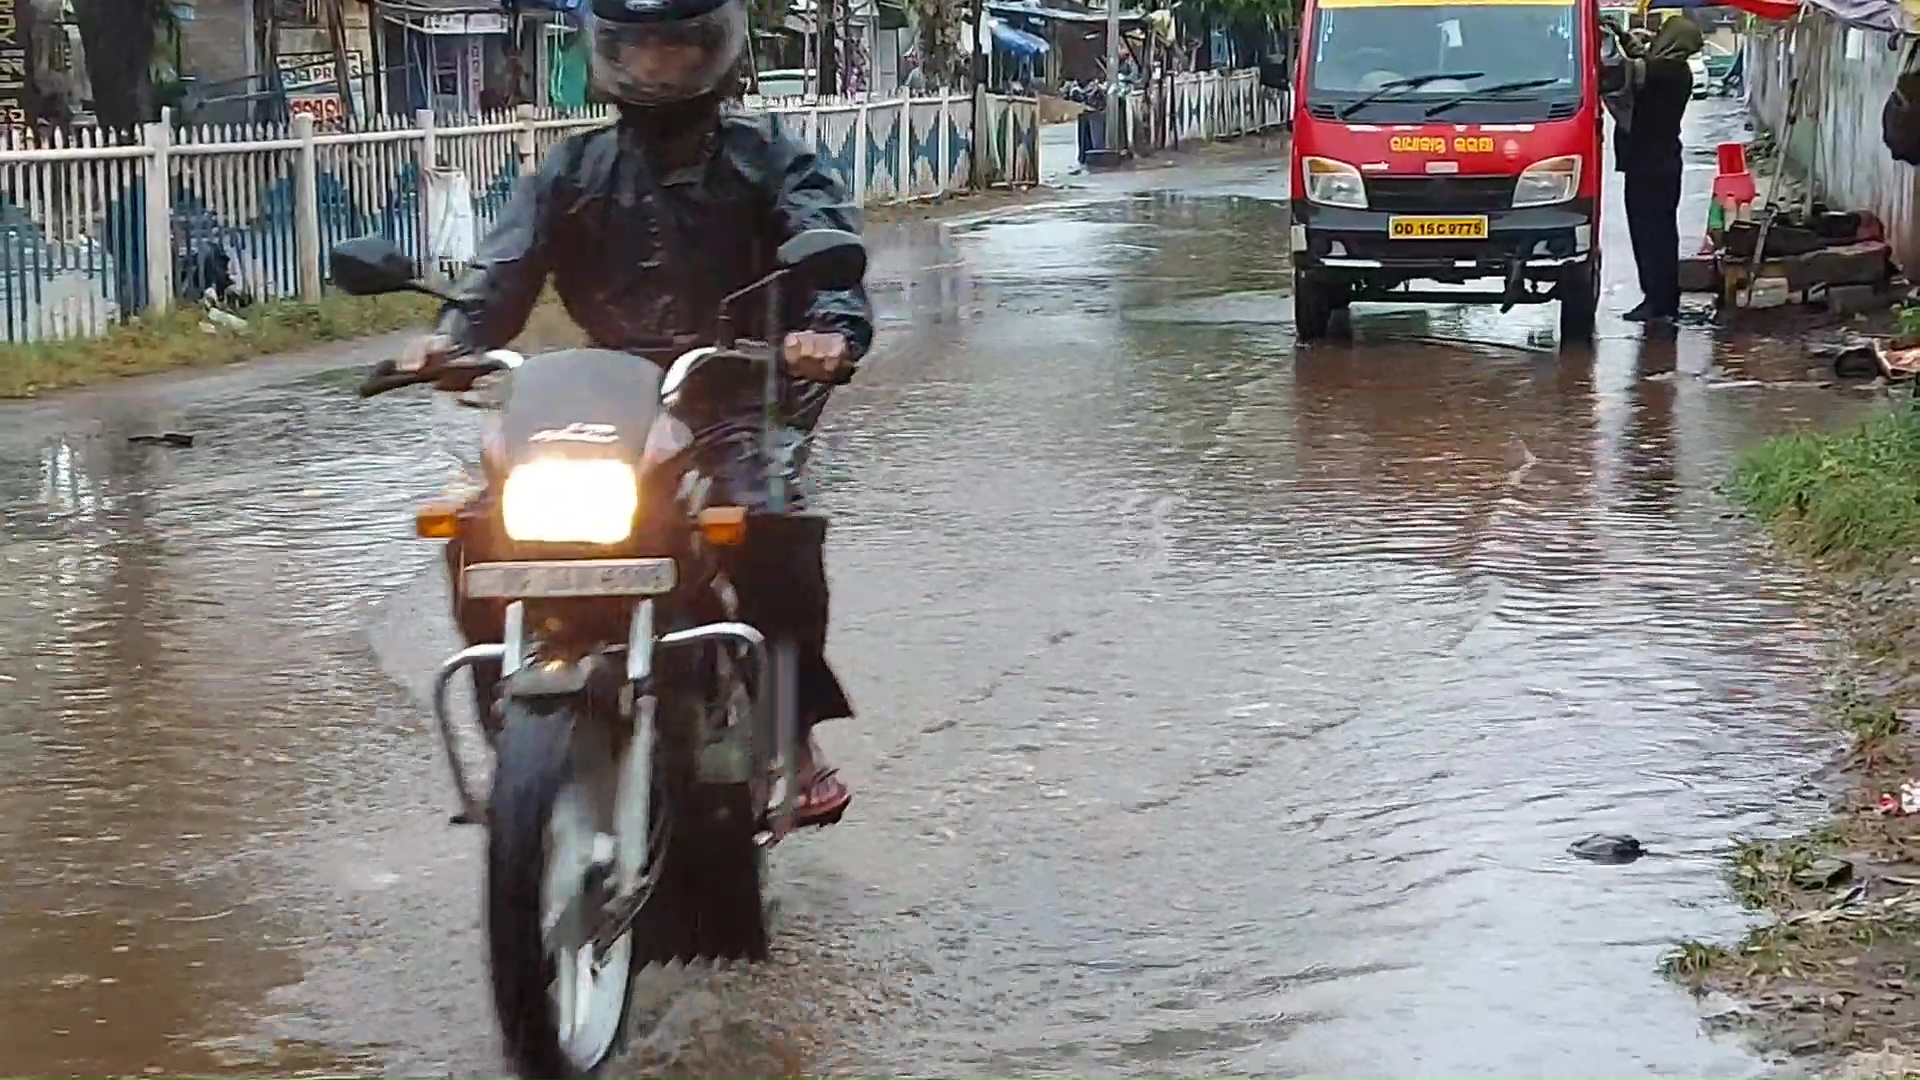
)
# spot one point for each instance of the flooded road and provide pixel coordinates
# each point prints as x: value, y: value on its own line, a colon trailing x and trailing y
x: 1226, y: 708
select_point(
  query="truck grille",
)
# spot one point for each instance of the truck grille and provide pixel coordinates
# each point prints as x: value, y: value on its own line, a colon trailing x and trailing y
x: 1379, y: 247
x: 1440, y: 194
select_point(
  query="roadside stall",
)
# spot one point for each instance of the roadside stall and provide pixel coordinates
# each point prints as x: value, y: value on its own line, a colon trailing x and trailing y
x: 1778, y: 243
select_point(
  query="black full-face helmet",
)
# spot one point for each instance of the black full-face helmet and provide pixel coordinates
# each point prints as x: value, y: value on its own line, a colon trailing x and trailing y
x: 658, y: 52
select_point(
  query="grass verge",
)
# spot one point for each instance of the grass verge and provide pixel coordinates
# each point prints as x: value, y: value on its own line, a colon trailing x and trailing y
x: 179, y: 340
x: 1851, y: 498
x: 1832, y: 972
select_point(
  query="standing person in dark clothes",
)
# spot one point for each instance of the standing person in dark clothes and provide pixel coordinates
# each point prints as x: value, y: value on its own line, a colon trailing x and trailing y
x: 1647, y: 93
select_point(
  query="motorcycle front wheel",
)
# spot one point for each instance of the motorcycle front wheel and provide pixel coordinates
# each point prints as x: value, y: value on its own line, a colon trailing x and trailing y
x: 550, y: 873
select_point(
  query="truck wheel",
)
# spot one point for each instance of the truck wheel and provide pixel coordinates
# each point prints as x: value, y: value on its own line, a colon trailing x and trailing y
x: 1314, y: 302
x: 1579, y: 293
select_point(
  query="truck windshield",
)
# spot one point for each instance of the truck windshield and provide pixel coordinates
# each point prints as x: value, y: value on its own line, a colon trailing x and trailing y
x: 1360, y: 47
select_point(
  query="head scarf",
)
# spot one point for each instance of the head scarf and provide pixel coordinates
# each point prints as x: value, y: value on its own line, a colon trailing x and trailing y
x: 1678, y: 39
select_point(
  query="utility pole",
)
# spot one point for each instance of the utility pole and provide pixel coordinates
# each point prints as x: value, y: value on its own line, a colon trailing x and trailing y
x: 1113, y: 76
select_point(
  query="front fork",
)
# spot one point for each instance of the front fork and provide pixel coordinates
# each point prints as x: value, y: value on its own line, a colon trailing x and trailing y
x: 776, y: 713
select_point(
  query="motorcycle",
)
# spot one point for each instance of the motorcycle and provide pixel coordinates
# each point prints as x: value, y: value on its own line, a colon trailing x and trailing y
x: 644, y: 740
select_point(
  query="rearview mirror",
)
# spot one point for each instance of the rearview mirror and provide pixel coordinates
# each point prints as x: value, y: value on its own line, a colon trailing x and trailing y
x: 826, y: 258
x: 1273, y: 73
x: 371, y: 266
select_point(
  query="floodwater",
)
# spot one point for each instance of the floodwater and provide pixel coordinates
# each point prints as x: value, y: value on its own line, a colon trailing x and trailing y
x: 1227, y: 708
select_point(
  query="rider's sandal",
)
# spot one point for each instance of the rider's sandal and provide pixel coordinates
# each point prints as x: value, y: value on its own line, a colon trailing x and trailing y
x: 819, y: 813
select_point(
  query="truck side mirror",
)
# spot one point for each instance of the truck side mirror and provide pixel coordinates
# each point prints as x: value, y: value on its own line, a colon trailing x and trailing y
x: 1273, y: 73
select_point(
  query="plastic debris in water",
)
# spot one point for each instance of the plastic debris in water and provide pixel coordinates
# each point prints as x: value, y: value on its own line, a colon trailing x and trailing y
x: 1607, y: 848
x: 1907, y: 801
x: 176, y: 439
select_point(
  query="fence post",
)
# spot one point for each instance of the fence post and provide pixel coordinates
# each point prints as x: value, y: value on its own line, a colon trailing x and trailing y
x: 306, y: 210
x: 1008, y: 160
x: 943, y: 173
x: 158, y: 211
x: 906, y: 148
x: 523, y: 139
x: 860, y: 184
x: 425, y: 163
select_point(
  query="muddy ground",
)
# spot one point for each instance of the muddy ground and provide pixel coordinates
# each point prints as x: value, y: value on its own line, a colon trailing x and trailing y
x: 1832, y: 974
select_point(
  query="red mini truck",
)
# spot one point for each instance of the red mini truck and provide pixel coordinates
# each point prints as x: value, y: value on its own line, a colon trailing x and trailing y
x: 1447, y: 143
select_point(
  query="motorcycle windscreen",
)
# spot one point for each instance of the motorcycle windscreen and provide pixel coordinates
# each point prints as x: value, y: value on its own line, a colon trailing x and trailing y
x: 581, y: 403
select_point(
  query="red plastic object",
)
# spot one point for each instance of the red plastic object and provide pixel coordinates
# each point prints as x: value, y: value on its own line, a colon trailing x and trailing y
x: 1733, y: 158
x: 1735, y: 189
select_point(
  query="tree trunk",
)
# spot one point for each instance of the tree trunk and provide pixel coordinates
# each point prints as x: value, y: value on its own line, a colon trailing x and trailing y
x: 377, y: 62
x: 266, y: 48
x: 342, y: 73
x: 119, y: 38
x: 937, y: 25
x: 829, y: 49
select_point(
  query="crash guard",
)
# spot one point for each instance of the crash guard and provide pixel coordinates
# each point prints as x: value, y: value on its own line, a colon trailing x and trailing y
x: 1447, y: 143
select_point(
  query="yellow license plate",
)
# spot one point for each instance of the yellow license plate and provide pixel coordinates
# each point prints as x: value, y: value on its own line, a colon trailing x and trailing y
x: 1437, y: 228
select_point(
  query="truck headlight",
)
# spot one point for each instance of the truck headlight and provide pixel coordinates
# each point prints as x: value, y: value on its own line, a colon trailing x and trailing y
x: 1543, y: 183
x: 1333, y: 183
x: 570, y: 501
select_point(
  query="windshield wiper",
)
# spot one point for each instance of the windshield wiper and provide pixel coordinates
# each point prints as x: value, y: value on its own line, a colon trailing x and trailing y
x: 1411, y: 82
x: 1488, y: 91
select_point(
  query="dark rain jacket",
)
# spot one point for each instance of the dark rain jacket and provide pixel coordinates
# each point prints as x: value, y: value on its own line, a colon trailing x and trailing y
x: 641, y: 262
x: 641, y: 259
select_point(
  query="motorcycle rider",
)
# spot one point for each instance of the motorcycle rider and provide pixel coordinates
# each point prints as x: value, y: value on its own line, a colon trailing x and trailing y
x: 643, y: 228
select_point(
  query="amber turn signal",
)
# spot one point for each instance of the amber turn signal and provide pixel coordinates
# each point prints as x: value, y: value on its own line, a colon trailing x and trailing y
x: 437, y: 521
x: 724, y: 526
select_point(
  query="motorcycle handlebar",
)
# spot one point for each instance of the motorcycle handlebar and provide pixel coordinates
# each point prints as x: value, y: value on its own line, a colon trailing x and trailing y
x: 460, y: 373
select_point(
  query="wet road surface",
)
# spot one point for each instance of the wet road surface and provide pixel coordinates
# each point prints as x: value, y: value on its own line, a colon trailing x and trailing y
x: 1226, y: 708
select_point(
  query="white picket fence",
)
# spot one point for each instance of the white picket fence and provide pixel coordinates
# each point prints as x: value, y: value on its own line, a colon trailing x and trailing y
x: 1201, y: 106
x: 95, y: 227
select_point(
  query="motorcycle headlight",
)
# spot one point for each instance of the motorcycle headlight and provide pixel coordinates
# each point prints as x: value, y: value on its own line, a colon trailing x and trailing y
x: 1333, y: 183
x: 1543, y: 183
x: 570, y: 501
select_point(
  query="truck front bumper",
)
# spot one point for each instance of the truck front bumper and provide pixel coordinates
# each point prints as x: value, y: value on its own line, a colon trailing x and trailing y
x: 1353, y: 246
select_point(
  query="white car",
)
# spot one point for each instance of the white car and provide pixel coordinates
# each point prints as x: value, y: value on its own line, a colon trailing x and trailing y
x: 787, y: 83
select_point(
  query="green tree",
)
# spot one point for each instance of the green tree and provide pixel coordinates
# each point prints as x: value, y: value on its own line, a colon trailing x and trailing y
x: 1248, y: 21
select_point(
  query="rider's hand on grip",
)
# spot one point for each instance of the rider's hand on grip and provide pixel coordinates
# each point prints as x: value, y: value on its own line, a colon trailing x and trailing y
x: 428, y: 352
x: 817, y: 356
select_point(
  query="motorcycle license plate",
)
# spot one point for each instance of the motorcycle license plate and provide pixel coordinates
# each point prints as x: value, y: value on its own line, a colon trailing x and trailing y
x: 1437, y: 228
x: 572, y: 578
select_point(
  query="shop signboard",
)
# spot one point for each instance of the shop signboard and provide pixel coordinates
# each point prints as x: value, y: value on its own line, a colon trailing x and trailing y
x: 13, y: 63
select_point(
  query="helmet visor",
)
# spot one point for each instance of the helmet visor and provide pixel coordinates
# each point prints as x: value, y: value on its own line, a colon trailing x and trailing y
x: 651, y: 63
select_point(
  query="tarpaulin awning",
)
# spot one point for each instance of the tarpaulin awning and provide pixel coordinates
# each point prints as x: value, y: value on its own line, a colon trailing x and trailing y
x: 1018, y: 42
x: 1886, y: 16
x: 1779, y: 10
x: 1032, y: 9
